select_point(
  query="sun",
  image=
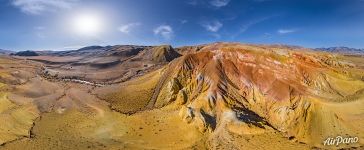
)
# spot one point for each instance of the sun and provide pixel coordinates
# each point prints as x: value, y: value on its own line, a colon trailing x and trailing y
x: 87, y: 24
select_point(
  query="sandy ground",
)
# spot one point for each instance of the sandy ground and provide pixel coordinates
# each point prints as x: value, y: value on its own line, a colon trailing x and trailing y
x: 68, y: 116
x: 162, y: 110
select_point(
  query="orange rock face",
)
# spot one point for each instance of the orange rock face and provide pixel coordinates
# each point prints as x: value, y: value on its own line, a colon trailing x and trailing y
x: 214, y: 96
x: 265, y: 87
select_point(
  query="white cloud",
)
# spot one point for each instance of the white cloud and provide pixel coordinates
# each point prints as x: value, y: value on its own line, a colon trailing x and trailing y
x: 267, y: 35
x: 219, y: 3
x: 71, y: 47
x: 286, y: 31
x: 250, y: 24
x: 184, y: 21
x: 246, y: 26
x: 39, y: 28
x: 40, y: 31
x: 214, y: 3
x: 261, y: 0
x: 165, y: 31
x: 41, y: 35
x: 192, y: 2
x: 212, y: 26
x: 128, y: 27
x: 36, y: 7
x: 216, y: 35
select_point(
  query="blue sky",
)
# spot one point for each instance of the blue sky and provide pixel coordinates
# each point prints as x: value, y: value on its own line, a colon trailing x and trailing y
x: 48, y: 24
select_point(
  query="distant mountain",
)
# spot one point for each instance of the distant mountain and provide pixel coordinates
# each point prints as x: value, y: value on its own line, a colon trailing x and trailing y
x: 26, y: 53
x: 5, y: 52
x: 113, y: 64
x: 90, y: 48
x: 92, y: 51
x: 343, y: 50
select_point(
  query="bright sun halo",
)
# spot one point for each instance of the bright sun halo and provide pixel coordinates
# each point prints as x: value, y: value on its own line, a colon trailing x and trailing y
x: 87, y: 24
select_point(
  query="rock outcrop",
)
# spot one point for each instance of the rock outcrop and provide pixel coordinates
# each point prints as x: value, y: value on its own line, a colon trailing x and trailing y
x: 249, y: 89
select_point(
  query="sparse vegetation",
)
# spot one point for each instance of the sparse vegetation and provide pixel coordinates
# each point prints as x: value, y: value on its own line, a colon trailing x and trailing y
x: 223, y: 95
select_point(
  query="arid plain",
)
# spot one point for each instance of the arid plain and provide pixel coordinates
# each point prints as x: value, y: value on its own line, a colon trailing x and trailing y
x: 213, y: 96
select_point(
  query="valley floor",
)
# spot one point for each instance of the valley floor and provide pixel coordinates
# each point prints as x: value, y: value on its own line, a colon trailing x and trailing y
x: 77, y: 119
x: 225, y: 97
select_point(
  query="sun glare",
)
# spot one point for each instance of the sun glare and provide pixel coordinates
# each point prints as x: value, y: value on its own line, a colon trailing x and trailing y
x: 87, y: 24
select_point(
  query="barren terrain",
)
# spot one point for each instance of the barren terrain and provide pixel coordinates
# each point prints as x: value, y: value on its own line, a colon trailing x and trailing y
x: 214, y: 96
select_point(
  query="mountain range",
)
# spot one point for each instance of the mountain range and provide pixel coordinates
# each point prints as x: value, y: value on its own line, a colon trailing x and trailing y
x: 343, y: 50
x: 182, y: 50
x: 211, y: 96
x: 5, y: 52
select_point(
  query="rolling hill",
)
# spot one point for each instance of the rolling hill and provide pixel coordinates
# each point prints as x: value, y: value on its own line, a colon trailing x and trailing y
x: 248, y: 89
x: 212, y: 96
